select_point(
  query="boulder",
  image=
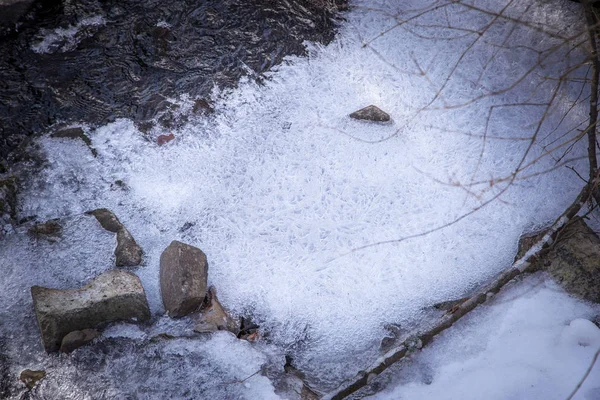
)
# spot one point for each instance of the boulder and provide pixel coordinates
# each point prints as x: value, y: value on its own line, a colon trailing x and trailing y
x: 12, y: 10
x: 371, y: 113
x: 183, y: 275
x: 573, y: 261
x: 112, y: 296
x: 30, y: 377
x: 76, y: 339
x: 213, y: 317
x: 127, y: 253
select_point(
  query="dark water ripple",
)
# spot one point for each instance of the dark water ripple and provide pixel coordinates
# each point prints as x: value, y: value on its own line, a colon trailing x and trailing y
x: 127, y: 66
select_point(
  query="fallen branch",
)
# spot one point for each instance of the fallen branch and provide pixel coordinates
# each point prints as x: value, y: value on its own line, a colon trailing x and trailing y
x: 419, y: 340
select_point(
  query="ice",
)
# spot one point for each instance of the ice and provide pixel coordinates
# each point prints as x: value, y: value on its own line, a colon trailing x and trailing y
x: 66, y: 39
x: 532, y: 342
x: 289, y: 198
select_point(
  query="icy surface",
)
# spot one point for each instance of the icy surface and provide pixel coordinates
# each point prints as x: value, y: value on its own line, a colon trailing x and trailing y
x: 532, y: 342
x: 66, y: 39
x: 280, y: 188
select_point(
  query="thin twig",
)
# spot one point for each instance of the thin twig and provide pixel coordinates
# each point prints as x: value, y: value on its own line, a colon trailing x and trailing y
x: 586, y: 375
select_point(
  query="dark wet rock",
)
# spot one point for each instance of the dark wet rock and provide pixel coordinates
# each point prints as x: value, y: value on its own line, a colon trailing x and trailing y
x: 75, y: 133
x: 112, y: 296
x: 107, y: 219
x: 371, y: 113
x: 127, y: 253
x: 77, y: 339
x: 49, y: 230
x: 213, y: 317
x: 202, y: 106
x: 8, y: 202
x: 573, y: 261
x: 12, y: 10
x: 183, y: 276
x: 30, y: 377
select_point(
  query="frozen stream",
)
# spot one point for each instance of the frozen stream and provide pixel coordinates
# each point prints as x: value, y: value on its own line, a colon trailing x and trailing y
x: 279, y: 186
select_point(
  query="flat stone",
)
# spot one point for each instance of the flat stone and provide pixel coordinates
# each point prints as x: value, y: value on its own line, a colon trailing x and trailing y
x: 371, y: 113
x: 75, y: 133
x: 183, y: 275
x: 30, y: 377
x: 213, y: 316
x: 76, y: 339
x: 112, y: 296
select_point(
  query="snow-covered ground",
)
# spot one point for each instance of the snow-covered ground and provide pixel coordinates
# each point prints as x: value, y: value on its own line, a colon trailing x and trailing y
x: 280, y: 186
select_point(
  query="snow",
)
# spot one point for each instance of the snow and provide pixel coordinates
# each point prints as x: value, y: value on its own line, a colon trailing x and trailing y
x: 532, y: 342
x: 66, y: 39
x: 281, y: 188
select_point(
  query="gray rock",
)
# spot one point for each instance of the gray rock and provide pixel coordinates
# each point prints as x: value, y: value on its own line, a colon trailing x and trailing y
x: 112, y: 296
x: 573, y: 261
x: 371, y: 113
x: 8, y: 198
x: 107, y: 219
x: 183, y: 275
x: 30, y: 377
x: 12, y: 10
x: 127, y: 253
x: 76, y: 339
x: 213, y: 316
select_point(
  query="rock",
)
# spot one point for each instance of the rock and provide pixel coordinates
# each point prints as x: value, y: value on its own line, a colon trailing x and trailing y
x: 127, y: 253
x: 183, y: 275
x: 75, y: 133
x: 50, y: 229
x: 371, y: 113
x: 30, y: 378
x: 107, y: 219
x: 213, y: 317
x: 112, y: 296
x: 202, y: 106
x: 12, y: 10
x: 8, y: 199
x: 76, y: 339
x: 573, y: 261
x: 164, y: 139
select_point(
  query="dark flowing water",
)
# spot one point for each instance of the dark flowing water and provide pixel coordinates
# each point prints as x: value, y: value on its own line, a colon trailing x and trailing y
x: 102, y: 60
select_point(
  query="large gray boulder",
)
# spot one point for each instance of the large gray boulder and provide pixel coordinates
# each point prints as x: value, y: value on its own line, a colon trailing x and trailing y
x: 112, y: 296
x: 573, y: 261
x: 183, y: 275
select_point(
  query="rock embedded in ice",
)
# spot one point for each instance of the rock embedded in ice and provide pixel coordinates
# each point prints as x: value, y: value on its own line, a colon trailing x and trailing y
x: 213, y: 316
x: 371, y: 113
x: 8, y: 200
x: 30, y: 377
x: 112, y: 296
x: 49, y: 230
x: 76, y: 339
x: 183, y: 276
x: 573, y: 261
x: 127, y: 253
x: 75, y: 133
